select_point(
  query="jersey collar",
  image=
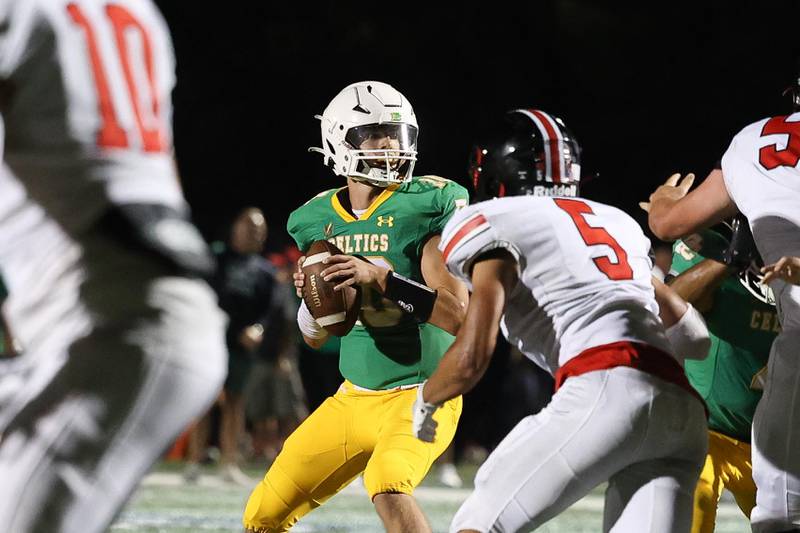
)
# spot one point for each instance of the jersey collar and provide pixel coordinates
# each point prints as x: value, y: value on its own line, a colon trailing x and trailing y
x: 347, y: 216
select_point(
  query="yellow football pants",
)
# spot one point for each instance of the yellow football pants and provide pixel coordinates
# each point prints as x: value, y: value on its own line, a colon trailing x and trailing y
x: 728, y: 466
x: 353, y: 431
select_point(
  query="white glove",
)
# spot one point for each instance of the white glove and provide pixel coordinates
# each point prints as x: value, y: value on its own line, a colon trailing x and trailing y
x: 422, y: 414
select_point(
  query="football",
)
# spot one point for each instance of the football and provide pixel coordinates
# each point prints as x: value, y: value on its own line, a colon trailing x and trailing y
x: 336, y: 311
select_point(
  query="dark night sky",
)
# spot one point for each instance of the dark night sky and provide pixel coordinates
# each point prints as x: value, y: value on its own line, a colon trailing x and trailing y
x: 646, y: 89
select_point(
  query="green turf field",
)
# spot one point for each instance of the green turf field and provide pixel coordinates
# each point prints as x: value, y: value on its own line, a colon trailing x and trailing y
x: 164, y: 504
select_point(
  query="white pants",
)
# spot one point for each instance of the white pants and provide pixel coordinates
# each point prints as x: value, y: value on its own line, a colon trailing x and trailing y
x: 120, y: 357
x: 645, y: 436
x: 776, y: 424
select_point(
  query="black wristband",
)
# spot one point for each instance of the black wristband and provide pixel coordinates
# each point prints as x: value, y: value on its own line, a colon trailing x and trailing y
x: 413, y: 298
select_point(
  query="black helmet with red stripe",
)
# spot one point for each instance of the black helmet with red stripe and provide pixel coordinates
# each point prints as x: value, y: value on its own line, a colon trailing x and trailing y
x: 530, y: 153
x: 793, y: 91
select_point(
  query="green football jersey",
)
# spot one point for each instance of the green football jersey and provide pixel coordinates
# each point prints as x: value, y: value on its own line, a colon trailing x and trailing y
x: 742, y: 329
x: 387, y: 347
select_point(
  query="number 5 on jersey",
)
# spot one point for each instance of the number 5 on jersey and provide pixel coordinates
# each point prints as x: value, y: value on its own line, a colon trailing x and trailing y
x: 111, y: 133
x: 620, y: 270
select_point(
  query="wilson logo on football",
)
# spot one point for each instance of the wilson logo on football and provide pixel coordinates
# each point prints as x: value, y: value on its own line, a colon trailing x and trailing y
x: 312, y: 281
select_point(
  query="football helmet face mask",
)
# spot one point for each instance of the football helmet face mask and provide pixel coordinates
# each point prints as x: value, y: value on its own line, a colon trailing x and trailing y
x: 369, y: 133
x: 532, y: 153
x: 750, y: 277
x: 793, y: 90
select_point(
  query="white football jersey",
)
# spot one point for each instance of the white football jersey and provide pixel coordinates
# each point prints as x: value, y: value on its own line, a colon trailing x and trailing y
x: 85, y: 89
x: 761, y: 174
x: 584, y: 277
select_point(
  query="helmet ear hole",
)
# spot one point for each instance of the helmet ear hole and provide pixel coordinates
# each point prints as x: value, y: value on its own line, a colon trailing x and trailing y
x: 330, y: 147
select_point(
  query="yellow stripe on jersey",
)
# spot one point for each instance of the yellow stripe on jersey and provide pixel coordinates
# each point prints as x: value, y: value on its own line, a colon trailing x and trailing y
x: 376, y: 203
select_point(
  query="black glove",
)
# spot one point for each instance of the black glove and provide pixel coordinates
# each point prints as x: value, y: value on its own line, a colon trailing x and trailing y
x: 741, y: 250
x: 164, y: 232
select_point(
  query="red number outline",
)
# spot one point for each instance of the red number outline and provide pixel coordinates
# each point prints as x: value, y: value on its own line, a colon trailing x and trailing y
x: 111, y: 133
x: 769, y: 156
x: 576, y: 209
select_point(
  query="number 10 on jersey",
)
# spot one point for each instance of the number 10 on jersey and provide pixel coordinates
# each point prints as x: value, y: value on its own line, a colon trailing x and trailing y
x: 111, y: 133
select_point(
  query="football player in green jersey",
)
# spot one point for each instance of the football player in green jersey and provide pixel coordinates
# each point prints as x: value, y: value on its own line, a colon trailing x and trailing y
x: 388, y: 225
x: 715, y: 276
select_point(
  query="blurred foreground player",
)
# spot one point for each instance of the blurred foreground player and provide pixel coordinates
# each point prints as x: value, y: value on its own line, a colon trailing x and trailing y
x: 759, y: 178
x: 393, y: 220
x: 8, y: 345
x: 124, y: 341
x: 568, y: 281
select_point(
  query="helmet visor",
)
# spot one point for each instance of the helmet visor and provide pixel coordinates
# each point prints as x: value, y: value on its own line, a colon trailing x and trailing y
x: 390, y: 136
x: 382, y: 153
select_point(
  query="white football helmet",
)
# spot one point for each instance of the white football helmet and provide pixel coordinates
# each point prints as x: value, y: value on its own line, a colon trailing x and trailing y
x: 369, y: 133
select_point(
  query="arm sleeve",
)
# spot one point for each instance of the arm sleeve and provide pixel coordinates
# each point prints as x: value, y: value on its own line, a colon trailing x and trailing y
x: 296, y: 226
x: 684, y: 257
x: 467, y: 236
x: 734, y: 164
x: 449, y: 199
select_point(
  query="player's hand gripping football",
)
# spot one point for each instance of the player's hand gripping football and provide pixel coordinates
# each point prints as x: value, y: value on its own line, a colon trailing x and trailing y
x: 351, y: 270
x: 423, y: 423
x: 787, y: 269
x: 299, y: 278
x: 669, y: 193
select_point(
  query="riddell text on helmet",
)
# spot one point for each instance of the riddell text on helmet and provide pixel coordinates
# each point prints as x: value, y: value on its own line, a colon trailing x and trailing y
x: 555, y: 190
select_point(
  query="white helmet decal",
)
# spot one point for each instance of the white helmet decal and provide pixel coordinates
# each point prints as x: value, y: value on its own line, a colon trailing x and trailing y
x: 366, y: 113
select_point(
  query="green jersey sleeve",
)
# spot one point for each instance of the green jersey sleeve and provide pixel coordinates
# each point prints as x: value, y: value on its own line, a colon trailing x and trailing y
x: 303, y: 221
x: 694, y: 249
x: 296, y: 229
x: 449, y: 197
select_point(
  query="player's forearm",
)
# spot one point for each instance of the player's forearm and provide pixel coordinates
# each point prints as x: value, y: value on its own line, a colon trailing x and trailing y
x: 667, y: 220
x: 448, y: 311
x: 314, y: 335
x: 467, y: 359
x: 698, y: 284
x: 459, y: 371
x: 316, y: 342
x: 672, y: 218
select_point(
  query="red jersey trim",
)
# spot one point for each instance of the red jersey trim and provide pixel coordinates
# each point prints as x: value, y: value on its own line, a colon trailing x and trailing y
x: 471, y: 224
x: 631, y: 354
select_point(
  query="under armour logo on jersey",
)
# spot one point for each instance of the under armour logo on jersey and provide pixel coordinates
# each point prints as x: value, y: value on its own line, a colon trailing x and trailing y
x: 389, y: 221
